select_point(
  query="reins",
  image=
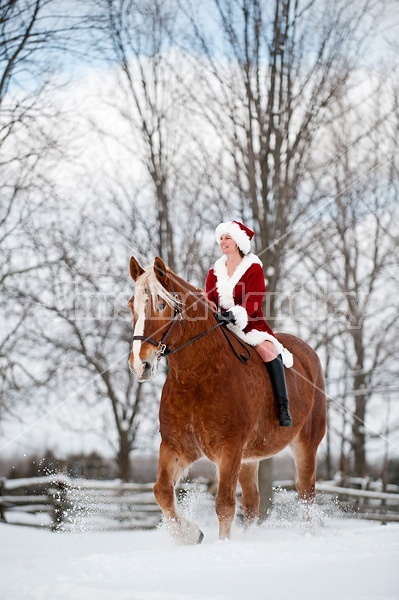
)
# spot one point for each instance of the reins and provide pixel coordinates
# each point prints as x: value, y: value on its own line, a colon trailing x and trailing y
x: 168, y: 351
x: 241, y: 357
x: 163, y: 350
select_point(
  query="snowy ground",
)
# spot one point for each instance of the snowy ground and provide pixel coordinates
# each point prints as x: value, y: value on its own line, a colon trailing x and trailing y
x: 338, y: 559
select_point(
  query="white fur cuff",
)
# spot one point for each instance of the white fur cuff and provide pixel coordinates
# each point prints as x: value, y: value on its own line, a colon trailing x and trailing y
x: 240, y: 315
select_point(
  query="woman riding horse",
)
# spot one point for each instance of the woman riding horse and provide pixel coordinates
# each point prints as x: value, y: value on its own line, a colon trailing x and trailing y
x: 209, y: 408
x: 236, y: 284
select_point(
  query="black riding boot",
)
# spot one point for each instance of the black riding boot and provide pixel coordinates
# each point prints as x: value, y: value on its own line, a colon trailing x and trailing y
x: 276, y: 372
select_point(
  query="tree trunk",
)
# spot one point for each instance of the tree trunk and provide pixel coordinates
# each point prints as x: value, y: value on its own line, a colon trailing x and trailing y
x: 265, y: 487
x: 123, y: 456
x: 359, y: 437
x: 361, y: 396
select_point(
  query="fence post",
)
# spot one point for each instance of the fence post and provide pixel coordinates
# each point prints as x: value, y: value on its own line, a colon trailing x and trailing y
x: 2, y: 507
x: 60, y: 504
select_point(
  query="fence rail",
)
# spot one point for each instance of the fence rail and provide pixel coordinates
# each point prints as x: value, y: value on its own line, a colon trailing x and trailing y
x: 375, y: 505
x: 64, y: 504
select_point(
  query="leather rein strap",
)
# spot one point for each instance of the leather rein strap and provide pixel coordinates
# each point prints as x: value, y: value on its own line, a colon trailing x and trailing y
x: 163, y: 350
x: 241, y: 357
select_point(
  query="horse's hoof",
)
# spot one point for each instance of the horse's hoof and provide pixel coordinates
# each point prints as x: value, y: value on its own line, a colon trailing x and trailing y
x: 200, y: 538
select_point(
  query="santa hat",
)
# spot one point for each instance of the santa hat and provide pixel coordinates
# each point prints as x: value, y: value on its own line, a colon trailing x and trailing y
x: 241, y: 234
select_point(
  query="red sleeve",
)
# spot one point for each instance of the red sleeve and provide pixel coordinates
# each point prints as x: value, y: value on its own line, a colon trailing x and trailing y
x: 210, y: 287
x: 255, y: 290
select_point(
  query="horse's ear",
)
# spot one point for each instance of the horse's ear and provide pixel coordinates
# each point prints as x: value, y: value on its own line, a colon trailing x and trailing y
x: 160, y: 270
x: 135, y: 269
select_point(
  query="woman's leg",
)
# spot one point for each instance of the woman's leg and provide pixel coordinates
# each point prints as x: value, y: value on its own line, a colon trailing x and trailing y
x: 275, y: 368
x: 267, y: 351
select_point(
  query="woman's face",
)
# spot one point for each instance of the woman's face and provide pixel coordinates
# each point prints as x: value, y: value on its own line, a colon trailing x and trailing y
x: 228, y: 245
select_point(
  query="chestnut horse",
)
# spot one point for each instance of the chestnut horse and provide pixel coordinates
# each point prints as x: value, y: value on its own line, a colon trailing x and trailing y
x: 215, y: 403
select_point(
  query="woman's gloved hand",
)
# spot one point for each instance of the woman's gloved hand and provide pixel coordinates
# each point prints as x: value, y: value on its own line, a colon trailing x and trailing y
x: 225, y: 317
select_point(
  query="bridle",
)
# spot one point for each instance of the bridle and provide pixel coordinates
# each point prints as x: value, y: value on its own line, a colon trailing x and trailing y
x: 162, y: 348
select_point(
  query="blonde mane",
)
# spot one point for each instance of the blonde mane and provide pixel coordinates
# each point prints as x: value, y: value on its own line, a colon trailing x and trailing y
x: 149, y: 282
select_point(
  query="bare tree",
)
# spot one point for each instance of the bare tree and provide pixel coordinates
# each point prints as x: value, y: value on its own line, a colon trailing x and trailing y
x: 284, y: 64
x: 134, y: 37
x: 353, y: 256
x: 82, y: 328
x: 28, y: 148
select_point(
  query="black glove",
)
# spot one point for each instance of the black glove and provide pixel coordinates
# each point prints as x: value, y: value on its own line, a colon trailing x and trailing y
x: 225, y: 317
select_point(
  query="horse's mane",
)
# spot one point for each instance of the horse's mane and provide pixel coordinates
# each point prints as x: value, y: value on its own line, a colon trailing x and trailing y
x: 149, y: 281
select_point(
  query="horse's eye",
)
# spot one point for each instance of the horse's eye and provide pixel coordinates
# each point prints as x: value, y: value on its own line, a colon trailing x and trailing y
x: 161, y: 306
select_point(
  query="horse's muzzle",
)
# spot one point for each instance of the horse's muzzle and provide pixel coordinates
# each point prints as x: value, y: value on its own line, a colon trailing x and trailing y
x: 144, y: 370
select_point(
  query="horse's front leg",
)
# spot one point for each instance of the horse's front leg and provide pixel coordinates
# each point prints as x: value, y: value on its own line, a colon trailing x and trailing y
x: 170, y: 469
x: 229, y: 466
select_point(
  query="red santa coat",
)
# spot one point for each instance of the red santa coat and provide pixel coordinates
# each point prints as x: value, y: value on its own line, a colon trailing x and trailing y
x: 243, y: 294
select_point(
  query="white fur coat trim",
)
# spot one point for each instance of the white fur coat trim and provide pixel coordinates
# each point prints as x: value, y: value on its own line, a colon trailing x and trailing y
x: 240, y: 315
x: 225, y: 285
x: 255, y: 337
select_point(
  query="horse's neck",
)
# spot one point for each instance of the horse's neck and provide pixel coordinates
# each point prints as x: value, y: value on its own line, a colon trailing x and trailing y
x: 198, y: 352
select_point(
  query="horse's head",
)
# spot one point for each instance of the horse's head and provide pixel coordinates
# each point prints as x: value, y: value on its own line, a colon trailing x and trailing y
x: 156, y: 316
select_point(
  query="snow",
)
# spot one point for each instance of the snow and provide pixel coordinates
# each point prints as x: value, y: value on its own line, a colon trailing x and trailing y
x: 335, y: 559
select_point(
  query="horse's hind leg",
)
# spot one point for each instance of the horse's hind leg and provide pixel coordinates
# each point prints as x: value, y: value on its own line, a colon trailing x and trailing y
x: 305, y: 446
x: 170, y: 469
x: 305, y: 462
x: 248, y: 479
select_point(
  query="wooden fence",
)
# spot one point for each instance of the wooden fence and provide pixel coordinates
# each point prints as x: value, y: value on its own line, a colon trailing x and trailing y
x: 363, y: 503
x: 65, y: 504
